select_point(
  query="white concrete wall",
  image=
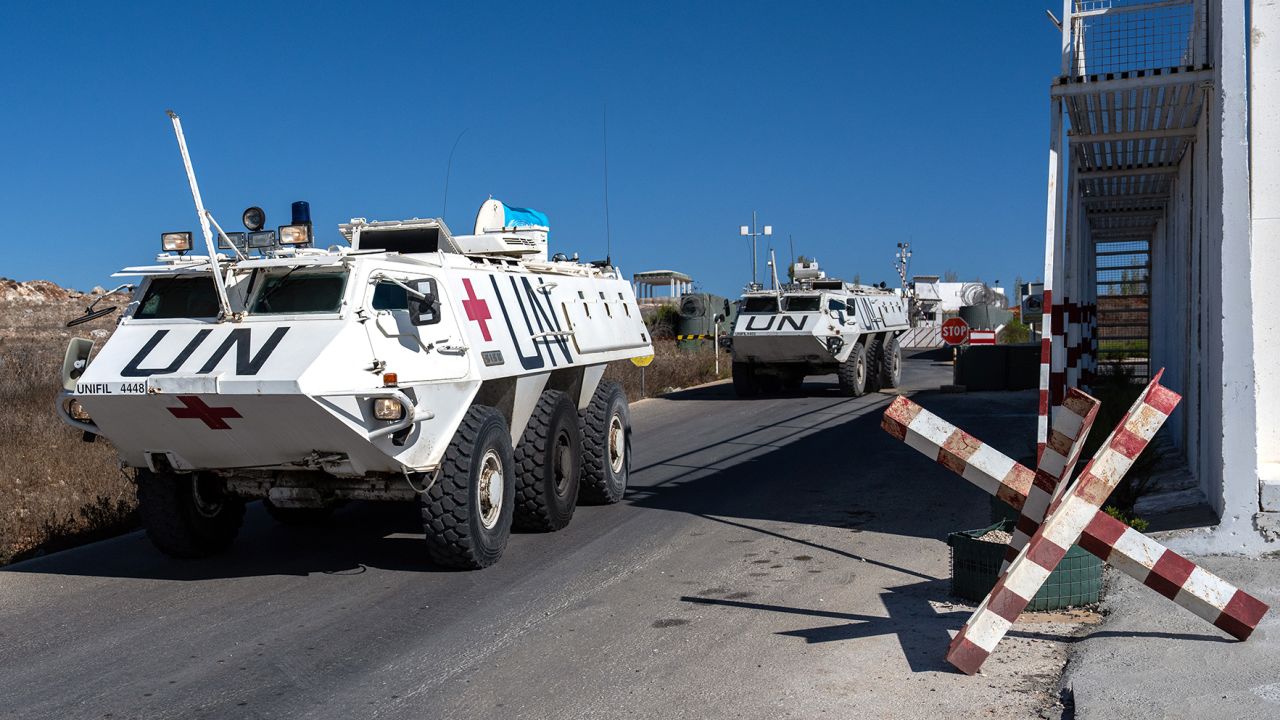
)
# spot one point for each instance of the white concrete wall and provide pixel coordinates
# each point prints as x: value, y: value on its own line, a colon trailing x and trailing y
x: 1264, y: 151
x: 1227, y: 432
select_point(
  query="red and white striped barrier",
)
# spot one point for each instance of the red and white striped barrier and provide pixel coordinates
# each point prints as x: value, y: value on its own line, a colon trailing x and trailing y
x: 1230, y: 609
x: 1067, y: 519
x: 1046, y: 356
x: 1066, y: 440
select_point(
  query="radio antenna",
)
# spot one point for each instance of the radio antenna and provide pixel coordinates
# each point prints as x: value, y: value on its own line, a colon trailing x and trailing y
x: 448, y: 170
x: 608, y: 230
x: 203, y: 214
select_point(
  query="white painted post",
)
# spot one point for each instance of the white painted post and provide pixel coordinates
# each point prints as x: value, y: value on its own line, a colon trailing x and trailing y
x: 715, y: 344
x: 1050, y: 345
x: 1264, y: 148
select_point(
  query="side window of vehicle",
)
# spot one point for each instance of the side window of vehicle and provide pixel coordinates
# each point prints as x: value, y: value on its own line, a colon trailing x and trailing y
x: 835, y: 305
x: 389, y: 296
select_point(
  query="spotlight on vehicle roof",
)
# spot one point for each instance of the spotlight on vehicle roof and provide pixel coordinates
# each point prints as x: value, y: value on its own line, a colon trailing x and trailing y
x: 295, y: 234
x: 262, y: 239
x: 179, y: 242
x: 254, y: 218
x: 238, y: 240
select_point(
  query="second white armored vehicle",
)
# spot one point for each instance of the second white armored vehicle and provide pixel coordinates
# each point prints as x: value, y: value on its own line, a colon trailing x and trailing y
x: 816, y: 326
x: 462, y: 372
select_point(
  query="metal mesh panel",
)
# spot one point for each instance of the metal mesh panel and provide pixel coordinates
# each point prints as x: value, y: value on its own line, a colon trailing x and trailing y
x: 1123, y: 330
x: 1133, y: 246
x: 1114, y: 36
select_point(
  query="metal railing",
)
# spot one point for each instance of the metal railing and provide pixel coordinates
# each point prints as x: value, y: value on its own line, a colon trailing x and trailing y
x: 1118, y: 36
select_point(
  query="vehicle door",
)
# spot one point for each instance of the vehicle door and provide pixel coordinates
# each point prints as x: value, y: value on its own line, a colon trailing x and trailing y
x: 412, y: 329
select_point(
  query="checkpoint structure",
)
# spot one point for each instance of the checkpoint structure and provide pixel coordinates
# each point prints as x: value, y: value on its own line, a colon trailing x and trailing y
x: 1057, y: 512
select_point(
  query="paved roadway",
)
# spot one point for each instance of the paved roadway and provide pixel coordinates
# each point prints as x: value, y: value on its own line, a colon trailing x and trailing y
x: 776, y: 557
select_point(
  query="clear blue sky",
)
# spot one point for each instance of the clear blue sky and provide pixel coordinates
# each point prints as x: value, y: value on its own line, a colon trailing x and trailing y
x: 847, y: 125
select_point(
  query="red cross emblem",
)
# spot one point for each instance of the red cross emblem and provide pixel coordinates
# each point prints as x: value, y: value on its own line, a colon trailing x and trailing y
x: 215, y: 417
x: 477, y: 309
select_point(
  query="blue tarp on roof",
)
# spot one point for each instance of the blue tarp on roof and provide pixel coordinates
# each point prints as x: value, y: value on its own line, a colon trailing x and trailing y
x: 519, y: 217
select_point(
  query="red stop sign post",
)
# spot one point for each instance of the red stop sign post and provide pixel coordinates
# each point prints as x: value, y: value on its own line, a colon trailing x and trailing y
x: 955, y: 331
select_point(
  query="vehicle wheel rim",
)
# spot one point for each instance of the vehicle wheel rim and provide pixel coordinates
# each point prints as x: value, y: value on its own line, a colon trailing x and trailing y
x: 617, y: 444
x: 491, y: 489
x: 562, y: 462
x: 860, y: 371
x: 205, y: 502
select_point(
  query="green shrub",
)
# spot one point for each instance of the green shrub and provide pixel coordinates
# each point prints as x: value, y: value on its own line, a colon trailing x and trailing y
x: 1015, y: 332
x: 1129, y: 519
x: 663, y: 321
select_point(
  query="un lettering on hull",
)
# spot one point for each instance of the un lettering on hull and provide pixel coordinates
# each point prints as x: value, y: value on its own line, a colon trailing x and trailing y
x: 536, y: 332
x: 247, y: 360
x: 775, y: 323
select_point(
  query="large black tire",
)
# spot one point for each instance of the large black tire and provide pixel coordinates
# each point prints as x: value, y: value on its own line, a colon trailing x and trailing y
x: 889, y: 367
x: 745, y: 382
x: 466, y: 526
x: 548, y: 462
x: 302, y: 516
x: 793, y: 380
x: 853, y: 372
x: 606, y: 446
x: 188, y: 515
x: 875, y: 350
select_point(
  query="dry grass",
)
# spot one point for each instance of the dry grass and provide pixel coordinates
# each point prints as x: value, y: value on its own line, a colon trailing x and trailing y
x: 55, y: 489
x: 672, y: 368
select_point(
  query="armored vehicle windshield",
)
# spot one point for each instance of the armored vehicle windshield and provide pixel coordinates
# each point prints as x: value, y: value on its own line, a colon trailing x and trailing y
x: 801, y: 303
x: 169, y: 298
x: 759, y: 304
x: 293, y: 292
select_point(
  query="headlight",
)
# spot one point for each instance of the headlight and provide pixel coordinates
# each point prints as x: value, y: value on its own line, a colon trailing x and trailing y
x: 295, y: 234
x: 237, y: 239
x: 77, y: 411
x: 175, y: 241
x: 387, y: 409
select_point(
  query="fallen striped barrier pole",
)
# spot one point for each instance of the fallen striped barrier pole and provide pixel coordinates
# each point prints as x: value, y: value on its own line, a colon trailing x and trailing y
x: 1230, y: 609
x: 1065, y: 442
x: 1067, y: 519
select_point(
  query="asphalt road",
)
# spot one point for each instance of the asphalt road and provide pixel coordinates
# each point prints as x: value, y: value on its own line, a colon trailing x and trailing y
x: 774, y: 557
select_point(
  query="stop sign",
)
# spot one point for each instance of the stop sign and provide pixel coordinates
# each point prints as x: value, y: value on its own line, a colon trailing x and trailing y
x: 955, y: 331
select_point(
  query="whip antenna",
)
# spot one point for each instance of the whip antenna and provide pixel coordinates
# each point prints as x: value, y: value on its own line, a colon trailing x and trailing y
x: 448, y: 170
x: 608, y: 231
x: 204, y: 215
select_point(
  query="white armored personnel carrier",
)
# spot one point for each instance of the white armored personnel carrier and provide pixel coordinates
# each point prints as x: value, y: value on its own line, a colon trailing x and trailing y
x: 816, y: 326
x: 463, y: 372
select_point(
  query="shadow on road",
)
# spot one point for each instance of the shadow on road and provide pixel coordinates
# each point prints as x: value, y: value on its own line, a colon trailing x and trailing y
x: 921, y: 629
x: 360, y: 535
